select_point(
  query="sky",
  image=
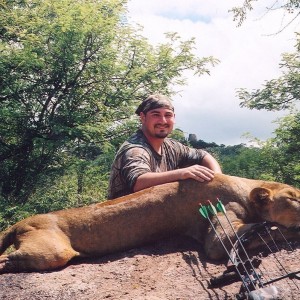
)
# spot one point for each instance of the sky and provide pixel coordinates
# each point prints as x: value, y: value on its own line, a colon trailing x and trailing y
x: 249, y: 55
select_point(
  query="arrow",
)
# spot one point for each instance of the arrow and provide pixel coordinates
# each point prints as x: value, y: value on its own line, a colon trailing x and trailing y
x: 214, y: 212
x: 220, y: 207
x: 211, y: 208
x: 203, y: 211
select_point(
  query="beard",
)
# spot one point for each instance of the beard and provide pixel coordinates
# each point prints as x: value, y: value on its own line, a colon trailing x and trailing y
x: 161, y: 135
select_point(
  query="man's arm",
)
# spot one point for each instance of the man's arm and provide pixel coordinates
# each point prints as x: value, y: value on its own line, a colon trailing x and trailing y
x: 204, y: 172
x: 210, y: 162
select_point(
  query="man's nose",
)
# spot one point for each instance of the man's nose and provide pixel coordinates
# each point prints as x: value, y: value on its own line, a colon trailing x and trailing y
x: 163, y: 119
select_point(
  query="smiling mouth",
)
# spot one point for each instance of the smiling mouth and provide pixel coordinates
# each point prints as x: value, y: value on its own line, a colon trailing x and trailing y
x: 162, y: 126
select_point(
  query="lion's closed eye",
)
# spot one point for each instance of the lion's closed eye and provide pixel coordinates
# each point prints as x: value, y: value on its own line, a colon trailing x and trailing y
x: 294, y: 200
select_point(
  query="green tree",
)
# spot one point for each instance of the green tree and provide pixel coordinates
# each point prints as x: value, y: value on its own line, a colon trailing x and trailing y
x: 70, y: 73
x: 178, y: 135
x: 283, y: 92
x: 240, y: 160
x: 284, y: 149
x: 281, y: 152
x: 276, y: 159
x: 277, y: 94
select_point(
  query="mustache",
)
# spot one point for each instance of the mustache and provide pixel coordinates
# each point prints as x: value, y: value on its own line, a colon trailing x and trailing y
x: 162, y: 125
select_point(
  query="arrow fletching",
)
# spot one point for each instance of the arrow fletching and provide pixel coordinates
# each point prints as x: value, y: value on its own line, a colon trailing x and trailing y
x: 221, y: 207
x: 203, y: 211
x: 211, y: 208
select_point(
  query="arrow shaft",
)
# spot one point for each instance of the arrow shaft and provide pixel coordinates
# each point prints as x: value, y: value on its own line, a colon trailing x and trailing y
x: 227, y: 252
x: 236, y: 252
x: 243, y: 248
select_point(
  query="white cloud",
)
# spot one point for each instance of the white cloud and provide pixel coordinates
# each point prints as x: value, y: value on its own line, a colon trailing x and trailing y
x: 249, y: 55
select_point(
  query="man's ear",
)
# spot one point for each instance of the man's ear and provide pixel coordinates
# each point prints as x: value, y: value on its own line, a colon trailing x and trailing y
x: 261, y: 196
x: 142, y: 117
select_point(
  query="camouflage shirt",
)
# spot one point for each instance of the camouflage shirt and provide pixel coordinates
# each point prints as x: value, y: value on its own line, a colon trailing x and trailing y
x: 136, y: 157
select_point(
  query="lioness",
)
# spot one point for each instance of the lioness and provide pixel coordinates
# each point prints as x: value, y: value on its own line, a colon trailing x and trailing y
x: 49, y: 241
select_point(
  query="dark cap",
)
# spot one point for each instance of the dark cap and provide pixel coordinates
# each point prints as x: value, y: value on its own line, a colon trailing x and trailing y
x: 153, y: 102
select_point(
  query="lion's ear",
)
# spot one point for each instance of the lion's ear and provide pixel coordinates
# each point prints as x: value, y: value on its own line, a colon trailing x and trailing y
x: 261, y: 196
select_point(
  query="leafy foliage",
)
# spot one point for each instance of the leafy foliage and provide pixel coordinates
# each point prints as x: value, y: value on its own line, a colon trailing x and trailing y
x: 283, y: 92
x: 178, y: 135
x: 71, y: 73
x: 277, y: 94
x: 243, y: 161
x: 281, y: 153
x: 285, y: 147
x: 200, y: 144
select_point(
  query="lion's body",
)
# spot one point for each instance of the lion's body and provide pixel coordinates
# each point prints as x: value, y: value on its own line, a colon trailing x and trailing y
x: 49, y: 241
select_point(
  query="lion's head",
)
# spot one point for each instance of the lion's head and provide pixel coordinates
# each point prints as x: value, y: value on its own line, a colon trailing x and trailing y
x: 277, y: 203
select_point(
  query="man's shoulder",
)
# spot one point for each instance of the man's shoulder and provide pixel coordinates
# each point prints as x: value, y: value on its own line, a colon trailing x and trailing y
x: 137, y: 140
x: 169, y: 142
x: 136, y: 143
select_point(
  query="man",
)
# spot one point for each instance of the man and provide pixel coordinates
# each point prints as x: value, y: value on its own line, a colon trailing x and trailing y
x: 150, y: 158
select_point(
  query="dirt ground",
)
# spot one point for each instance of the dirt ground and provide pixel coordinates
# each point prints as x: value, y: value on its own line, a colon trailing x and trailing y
x: 172, y: 269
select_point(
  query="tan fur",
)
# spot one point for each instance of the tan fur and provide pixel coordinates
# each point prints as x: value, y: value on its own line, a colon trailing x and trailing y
x: 49, y: 241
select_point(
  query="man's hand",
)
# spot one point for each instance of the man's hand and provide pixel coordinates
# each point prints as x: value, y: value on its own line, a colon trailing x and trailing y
x: 201, y: 173
x: 197, y: 172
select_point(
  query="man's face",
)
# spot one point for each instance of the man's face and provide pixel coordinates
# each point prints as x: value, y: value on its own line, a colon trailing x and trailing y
x: 158, y: 122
